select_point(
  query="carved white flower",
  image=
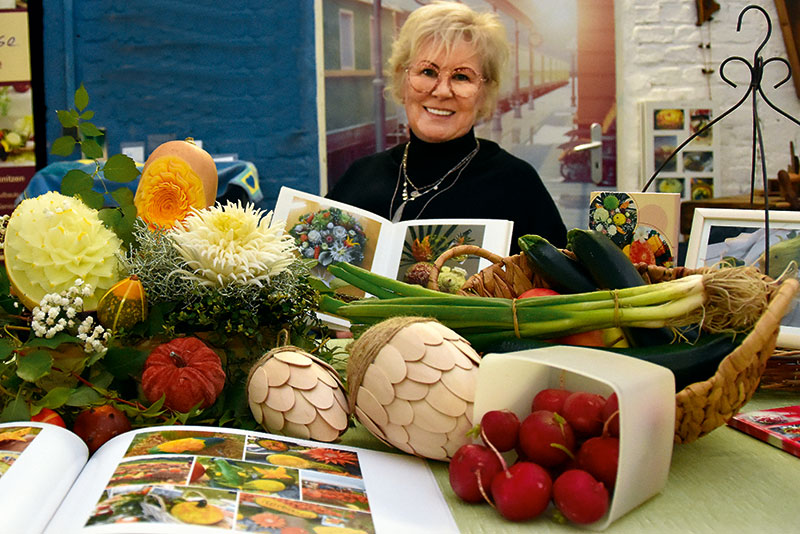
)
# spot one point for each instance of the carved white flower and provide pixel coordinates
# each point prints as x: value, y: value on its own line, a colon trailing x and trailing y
x: 232, y: 244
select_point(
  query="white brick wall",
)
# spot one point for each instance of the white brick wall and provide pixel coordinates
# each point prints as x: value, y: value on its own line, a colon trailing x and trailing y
x: 658, y: 58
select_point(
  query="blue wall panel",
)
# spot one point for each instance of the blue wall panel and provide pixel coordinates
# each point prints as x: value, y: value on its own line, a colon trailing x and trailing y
x: 240, y: 76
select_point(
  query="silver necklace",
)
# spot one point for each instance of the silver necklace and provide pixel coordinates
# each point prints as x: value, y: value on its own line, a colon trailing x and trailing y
x: 416, y: 192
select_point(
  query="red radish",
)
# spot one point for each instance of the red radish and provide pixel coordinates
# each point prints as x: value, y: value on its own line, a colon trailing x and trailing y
x: 584, y: 412
x: 611, y: 415
x: 522, y: 491
x: 546, y: 438
x: 537, y: 292
x: 551, y: 399
x: 580, y: 497
x: 473, y: 466
x: 500, y: 428
x: 600, y: 457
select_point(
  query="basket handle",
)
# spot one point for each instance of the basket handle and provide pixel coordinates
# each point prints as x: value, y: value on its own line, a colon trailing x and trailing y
x: 459, y: 250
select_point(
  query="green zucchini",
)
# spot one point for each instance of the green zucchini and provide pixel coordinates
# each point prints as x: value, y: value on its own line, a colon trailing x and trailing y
x: 562, y: 273
x: 689, y: 363
x: 610, y: 268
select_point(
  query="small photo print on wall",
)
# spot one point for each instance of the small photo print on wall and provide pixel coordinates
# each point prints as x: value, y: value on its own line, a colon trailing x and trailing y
x: 701, y: 188
x: 663, y: 146
x: 666, y: 126
x: 668, y: 119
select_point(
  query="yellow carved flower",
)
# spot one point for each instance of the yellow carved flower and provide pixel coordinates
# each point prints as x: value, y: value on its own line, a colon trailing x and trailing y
x: 168, y: 191
x: 232, y: 244
x: 51, y: 241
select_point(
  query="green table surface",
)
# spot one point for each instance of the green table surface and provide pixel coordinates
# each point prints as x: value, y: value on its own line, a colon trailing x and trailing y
x: 725, y: 481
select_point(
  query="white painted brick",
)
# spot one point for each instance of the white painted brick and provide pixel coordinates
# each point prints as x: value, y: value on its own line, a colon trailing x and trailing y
x: 658, y: 60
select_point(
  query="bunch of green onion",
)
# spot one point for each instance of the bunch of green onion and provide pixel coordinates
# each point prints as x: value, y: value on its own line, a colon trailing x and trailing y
x: 729, y: 299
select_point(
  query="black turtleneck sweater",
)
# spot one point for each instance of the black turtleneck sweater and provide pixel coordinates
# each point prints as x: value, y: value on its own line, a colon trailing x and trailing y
x: 495, y: 185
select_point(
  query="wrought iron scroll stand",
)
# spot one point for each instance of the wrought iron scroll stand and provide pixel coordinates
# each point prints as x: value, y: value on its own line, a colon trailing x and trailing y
x: 756, y: 74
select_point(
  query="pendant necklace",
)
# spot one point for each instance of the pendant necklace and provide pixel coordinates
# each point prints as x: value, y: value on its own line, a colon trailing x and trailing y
x: 411, y: 192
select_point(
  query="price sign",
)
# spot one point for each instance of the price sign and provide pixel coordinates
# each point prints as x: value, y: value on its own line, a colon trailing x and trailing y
x: 15, y: 59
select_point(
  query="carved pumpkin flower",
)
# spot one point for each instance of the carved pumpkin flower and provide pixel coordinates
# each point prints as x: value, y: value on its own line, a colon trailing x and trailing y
x: 232, y: 244
x: 168, y: 191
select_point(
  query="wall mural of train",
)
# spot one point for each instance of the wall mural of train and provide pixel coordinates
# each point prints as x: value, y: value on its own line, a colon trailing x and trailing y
x: 545, y: 57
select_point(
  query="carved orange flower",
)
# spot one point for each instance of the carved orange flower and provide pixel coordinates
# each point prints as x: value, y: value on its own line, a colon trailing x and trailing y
x: 167, y: 192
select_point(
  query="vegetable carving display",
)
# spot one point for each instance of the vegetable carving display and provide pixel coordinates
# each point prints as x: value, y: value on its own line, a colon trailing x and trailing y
x: 177, y: 177
x: 52, y: 240
x: 186, y: 372
x: 412, y: 384
x: 293, y: 393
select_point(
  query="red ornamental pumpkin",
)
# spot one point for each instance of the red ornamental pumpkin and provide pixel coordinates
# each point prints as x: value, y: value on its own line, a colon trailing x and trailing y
x: 186, y: 371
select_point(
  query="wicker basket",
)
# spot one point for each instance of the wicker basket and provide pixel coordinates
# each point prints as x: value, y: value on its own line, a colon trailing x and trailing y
x: 700, y: 407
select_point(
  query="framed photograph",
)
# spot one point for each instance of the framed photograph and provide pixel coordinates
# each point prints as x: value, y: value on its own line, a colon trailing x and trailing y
x: 665, y: 125
x: 739, y: 237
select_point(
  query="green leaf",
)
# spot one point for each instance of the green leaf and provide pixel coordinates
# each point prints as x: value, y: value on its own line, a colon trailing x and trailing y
x: 155, y: 408
x: 120, y: 168
x: 63, y: 146
x: 82, y: 396
x: 81, y: 98
x: 110, y: 217
x: 34, y: 366
x: 55, y: 398
x: 123, y: 196
x: 53, y: 342
x: 75, y: 182
x: 16, y: 410
x: 91, y: 149
x: 6, y: 348
x: 123, y: 362
x: 68, y: 119
x: 89, y: 130
x: 93, y: 199
x: 87, y: 115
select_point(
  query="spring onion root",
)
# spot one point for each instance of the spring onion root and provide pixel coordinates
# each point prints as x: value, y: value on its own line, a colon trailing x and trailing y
x: 726, y: 299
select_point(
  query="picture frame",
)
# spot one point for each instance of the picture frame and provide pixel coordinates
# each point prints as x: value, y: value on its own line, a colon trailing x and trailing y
x: 693, y: 172
x: 738, y: 236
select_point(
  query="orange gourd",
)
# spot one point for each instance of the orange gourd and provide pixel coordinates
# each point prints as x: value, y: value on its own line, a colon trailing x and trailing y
x: 124, y: 305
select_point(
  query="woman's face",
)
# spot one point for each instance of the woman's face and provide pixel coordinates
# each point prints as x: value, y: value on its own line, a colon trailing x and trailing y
x: 440, y: 115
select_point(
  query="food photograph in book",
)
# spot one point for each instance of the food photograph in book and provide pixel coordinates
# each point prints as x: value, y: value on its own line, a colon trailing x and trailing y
x: 423, y: 244
x: 17, y: 438
x: 236, y: 482
x: 329, y: 234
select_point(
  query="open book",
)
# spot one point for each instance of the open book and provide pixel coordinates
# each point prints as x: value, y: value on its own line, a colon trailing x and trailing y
x: 175, y: 479
x: 333, y: 231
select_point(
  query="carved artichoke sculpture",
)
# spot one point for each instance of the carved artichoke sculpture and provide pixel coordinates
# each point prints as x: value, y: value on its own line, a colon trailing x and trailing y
x: 293, y: 393
x: 412, y: 384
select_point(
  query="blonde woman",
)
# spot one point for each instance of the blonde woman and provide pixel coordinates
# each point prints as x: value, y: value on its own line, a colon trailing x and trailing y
x: 445, y: 70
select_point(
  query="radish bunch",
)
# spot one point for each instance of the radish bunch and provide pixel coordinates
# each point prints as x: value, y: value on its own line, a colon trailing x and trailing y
x: 567, y: 452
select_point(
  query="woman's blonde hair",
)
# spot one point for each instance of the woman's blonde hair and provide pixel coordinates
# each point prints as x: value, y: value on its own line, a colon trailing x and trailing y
x: 445, y: 24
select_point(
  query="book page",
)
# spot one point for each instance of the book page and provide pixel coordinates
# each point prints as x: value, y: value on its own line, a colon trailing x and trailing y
x: 328, y: 231
x: 427, y: 239
x: 38, y: 464
x: 176, y: 479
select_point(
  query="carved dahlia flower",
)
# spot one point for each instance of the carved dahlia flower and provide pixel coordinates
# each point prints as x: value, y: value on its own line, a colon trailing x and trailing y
x: 53, y: 240
x: 230, y: 244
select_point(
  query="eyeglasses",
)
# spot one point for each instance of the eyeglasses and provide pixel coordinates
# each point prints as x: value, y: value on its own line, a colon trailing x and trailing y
x: 425, y: 76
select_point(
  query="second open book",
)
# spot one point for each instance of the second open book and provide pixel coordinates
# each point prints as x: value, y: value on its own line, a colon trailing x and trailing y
x: 330, y: 231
